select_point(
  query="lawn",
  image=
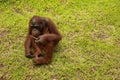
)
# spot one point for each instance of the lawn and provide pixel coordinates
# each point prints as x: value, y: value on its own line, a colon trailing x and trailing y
x: 89, y: 49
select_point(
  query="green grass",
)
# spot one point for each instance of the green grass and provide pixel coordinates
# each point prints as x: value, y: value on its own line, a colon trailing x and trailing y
x: 89, y: 50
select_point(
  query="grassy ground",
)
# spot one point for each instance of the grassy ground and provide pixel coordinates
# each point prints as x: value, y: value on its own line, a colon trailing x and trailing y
x: 89, y: 50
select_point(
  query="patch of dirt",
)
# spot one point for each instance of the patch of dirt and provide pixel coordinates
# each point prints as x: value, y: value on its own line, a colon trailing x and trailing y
x: 19, y: 11
x: 28, y: 77
x: 28, y: 8
x: 5, y: 76
x: 113, y: 72
x: 21, y: 37
x: 117, y: 41
x: 102, y: 32
x: 68, y: 50
x: 73, y: 34
x: 98, y: 25
x: 49, y: 10
x: 94, y: 68
x: 63, y: 1
x: 1, y: 65
x: 109, y: 28
x: 4, y: 32
x: 101, y: 35
x: 54, y: 77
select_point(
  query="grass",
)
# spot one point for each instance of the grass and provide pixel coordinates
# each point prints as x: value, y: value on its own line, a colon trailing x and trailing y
x: 89, y: 50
